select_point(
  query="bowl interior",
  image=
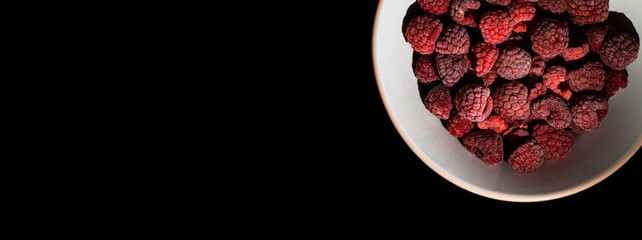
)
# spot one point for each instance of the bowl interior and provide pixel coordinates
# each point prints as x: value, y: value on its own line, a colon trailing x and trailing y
x: 594, y: 155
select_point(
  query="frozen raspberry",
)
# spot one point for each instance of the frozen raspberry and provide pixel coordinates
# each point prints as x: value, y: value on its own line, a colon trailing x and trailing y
x: 552, y: 108
x: 495, y: 26
x: 425, y: 70
x: 490, y: 77
x: 619, y: 51
x: 436, y: 7
x: 527, y: 158
x: 588, y: 110
x: 537, y: 67
x: 538, y: 89
x: 485, y: 56
x: 614, y: 81
x: 554, y: 6
x: 554, y: 78
x: 439, y: 102
x: 577, y: 49
x: 589, y: 77
x: 486, y: 145
x: 493, y: 122
x: 556, y: 143
x: 595, y: 34
x: 549, y: 37
x: 521, y: 12
x: 499, y: 2
x: 516, y: 132
x: 422, y: 33
x: 513, y: 63
x: 510, y: 101
x: 520, y: 27
x: 451, y: 67
x: 584, y: 12
x: 453, y: 40
x: 458, y: 125
x: 460, y: 11
x: 473, y: 102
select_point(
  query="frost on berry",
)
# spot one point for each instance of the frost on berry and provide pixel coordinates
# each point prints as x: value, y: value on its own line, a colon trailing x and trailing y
x: 554, y: 6
x: 556, y: 143
x: 495, y: 26
x: 595, y: 34
x: 460, y: 11
x: 439, y: 102
x: 499, y: 2
x: 486, y: 145
x: 510, y: 101
x: 422, y: 33
x: 577, y: 49
x: 552, y: 108
x: 538, y: 89
x: 458, y: 125
x: 614, y: 81
x: 493, y: 122
x: 589, y: 77
x: 619, y: 51
x: 588, y: 111
x: 454, y: 39
x: 527, y: 158
x: 537, y: 67
x: 451, y: 67
x: 554, y: 78
x: 436, y: 7
x: 513, y: 63
x: 485, y: 55
x: 549, y: 37
x: 473, y: 102
x: 425, y: 70
x: 583, y: 12
x: 520, y: 13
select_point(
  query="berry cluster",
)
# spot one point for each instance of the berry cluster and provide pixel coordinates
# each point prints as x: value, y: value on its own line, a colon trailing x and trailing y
x: 513, y: 79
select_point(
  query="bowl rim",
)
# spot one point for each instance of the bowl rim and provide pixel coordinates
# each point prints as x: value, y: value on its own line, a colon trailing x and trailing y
x: 468, y: 186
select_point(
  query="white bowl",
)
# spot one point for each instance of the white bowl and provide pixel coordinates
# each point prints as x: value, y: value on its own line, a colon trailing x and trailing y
x: 594, y: 155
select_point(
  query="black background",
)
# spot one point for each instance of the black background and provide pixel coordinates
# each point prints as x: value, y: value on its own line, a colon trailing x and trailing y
x: 367, y: 165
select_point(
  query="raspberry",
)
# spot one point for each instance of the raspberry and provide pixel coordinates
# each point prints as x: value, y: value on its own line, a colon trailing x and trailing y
x: 520, y: 27
x: 425, y: 70
x: 485, y: 55
x: 554, y: 109
x: 458, y: 125
x: 493, y: 122
x: 521, y: 12
x: 490, y: 77
x: 619, y: 51
x: 495, y: 26
x: 555, y: 6
x: 499, y: 2
x: 537, y: 67
x: 453, y: 40
x: 556, y: 143
x: 451, y: 68
x: 459, y: 11
x: 473, y: 102
x: 486, y: 145
x: 439, y: 102
x: 553, y: 79
x: 614, y: 81
x: 584, y: 12
x: 422, y: 33
x: 588, y: 110
x: 595, y: 34
x: 589, y: 77
x: 513, y: 63
x: 549, y: 37
x: 510, y: 101
x: 578, y: 50
x: 436, y: 7
x: 537, y: 90
x: 527, y: 158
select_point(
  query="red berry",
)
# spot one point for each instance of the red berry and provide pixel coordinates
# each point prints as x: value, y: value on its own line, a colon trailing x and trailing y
x: 553, y: 78
x: 453, y: 40
x: 555, y: 6
x: 614, y: 81
x: 485, y: 55
x: 588, y: 110
x: 436, y: 7
x: 521, y: 12
x: 595, y: 34
x: 458, y: 125
x: 473, y: 102
x: 486, y: 145
x: 577, y: 49
x: 451, y: 67
x: 510, y: 101
x: 538, y: 89
x: 584, y: 12
x: 527, y: 158
x: 499, y: 2
x: 513, y: 63
x: 589, y: 77
x: 556, y: 143
x: 549, y: 37
x: 495, y: 26
x: 439, y: 102
x: 552, y: 108
x: 493, y: 122
x: 425, y: 70
x: 422, y: 33
x: 537, y: 67
x: 619, y: 51
x: 460, y: 11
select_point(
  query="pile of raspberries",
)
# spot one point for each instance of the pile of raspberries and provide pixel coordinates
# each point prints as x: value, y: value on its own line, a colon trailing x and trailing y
x: 514, y: 79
